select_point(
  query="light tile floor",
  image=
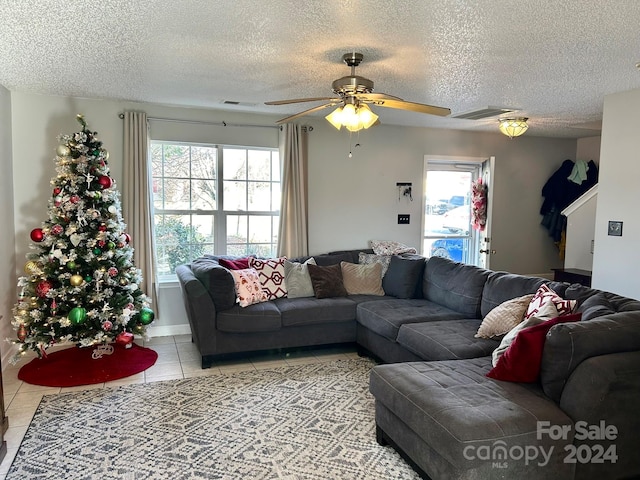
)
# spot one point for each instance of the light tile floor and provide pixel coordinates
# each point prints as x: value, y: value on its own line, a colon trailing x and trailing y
x: 177, y: 358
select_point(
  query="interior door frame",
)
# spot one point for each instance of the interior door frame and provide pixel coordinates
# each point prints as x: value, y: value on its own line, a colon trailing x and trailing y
x: 481, y: 237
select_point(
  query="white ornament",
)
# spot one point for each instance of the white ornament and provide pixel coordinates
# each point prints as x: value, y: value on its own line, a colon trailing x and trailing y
x: 101, y: 350
x: 75, y: 239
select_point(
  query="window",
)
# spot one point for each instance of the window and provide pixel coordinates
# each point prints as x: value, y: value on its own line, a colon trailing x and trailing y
x: 213, y: 199
x: 447, y: 220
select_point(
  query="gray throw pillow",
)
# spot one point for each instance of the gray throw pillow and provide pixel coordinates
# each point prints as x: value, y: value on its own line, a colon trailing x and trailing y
x: 401, y: 279
x: 297, y: 279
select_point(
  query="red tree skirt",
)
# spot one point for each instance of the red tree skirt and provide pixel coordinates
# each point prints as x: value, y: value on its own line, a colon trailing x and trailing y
x: 75, y: 366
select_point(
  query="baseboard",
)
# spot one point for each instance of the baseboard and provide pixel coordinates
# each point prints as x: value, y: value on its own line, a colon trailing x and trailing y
x: 168, y: 330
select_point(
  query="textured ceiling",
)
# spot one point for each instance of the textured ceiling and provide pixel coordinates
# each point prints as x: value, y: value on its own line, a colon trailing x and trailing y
x: 552, y: 60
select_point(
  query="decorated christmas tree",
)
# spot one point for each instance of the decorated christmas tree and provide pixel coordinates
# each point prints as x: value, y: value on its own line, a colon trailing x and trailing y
x: 81, y: 285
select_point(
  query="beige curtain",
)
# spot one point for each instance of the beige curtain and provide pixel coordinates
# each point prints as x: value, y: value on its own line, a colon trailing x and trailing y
x: 293, y: 235
x: 137, y: 208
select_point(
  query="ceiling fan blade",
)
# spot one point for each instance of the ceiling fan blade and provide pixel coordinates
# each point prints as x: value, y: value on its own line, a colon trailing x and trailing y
x: 306, y: 112
x: 301, y: 100
x: 378, y: 96
x: 414, y: 107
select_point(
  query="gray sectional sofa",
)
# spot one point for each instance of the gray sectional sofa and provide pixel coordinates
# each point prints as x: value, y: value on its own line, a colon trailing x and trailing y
x: 434, y: 402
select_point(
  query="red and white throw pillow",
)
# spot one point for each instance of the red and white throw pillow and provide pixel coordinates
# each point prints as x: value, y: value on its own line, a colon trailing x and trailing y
x: 271, y: 272
x: 248, y: 287
x: 545, y: 295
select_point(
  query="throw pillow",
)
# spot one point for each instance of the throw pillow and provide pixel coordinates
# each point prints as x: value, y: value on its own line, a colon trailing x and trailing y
x: 547, y: 311
x: 362, y: 279
x: 369, y: 258
x: 327, y: 281
x: 504, y: 317
x: 248, y: 287
x: 544, y: 294
x: 235, y: 263
x: 402, y: 278
x: 521, y: 361
x: 297, y: 279
x: 386, y: 247
x: 271, y: 271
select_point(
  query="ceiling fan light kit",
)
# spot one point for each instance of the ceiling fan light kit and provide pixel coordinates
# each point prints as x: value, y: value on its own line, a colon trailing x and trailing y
x: 355, y: 94
x: 513, y: 127
x: 352, y: 118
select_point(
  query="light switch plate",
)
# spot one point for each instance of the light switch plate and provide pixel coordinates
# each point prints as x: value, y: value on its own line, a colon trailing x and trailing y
x: 615, y: 229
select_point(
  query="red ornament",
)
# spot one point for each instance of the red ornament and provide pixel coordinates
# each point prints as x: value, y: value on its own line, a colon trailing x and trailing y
x: 56, y: 191
x: 102, y: 228
x: 22, y: 332
x: 113, y: 271
x: 127, y: 238
x: 101, y: 243
x: 37, y: 235
x: 57, y: 229
x: 125, y: 339
x: 107, y: 325
x: 43, y: 287
x: 74, y: 199
x: 104, y: 181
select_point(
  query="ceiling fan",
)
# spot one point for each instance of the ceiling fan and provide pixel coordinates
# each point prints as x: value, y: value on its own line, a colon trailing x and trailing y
x: 355, y: 94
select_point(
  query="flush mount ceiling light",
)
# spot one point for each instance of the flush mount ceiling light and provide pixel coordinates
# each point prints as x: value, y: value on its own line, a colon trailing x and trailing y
x: 513, y: 127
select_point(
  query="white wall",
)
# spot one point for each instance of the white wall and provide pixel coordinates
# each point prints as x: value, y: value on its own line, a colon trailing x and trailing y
x: 589, y: 149
x: 616, y: 260
x: 351, y: 201
x: 580, y: 235
x: 358, y: 196
x: 7, y: 238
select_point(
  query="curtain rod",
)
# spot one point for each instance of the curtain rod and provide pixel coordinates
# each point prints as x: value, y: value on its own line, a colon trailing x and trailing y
x: 222, y: 123
x: 202, y: 122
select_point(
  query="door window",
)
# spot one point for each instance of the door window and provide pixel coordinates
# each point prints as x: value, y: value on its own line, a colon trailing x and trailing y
x: 447, y: 216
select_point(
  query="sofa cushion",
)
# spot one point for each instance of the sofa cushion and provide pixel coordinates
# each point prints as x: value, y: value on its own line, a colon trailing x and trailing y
x: 596, y: 303
x: 503, y: 286
x: 454, y: 408
x: 504, y: 317
x: 248, y: 287
x: 217, y: 280
x: 445, y: 340
x: 385, y: 316
x: 402, y: 277
x: 271, y: 271
x: 327, y: 281
x: 297, y: 279
x: 260, y: 317
x: 311, y: 310
x: 521, y: 361
x: 455, y: 285
x: 327, y: 260
x: 568, y: 344
x: 362, y: 279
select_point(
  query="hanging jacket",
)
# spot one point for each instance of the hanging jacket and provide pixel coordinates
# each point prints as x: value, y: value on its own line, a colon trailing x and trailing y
x: 559, y: 192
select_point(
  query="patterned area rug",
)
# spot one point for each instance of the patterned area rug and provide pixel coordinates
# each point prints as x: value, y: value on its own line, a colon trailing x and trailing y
x: 302, y: 422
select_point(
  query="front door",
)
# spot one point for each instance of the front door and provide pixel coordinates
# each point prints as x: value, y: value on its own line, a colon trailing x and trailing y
x: 448, y: 209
